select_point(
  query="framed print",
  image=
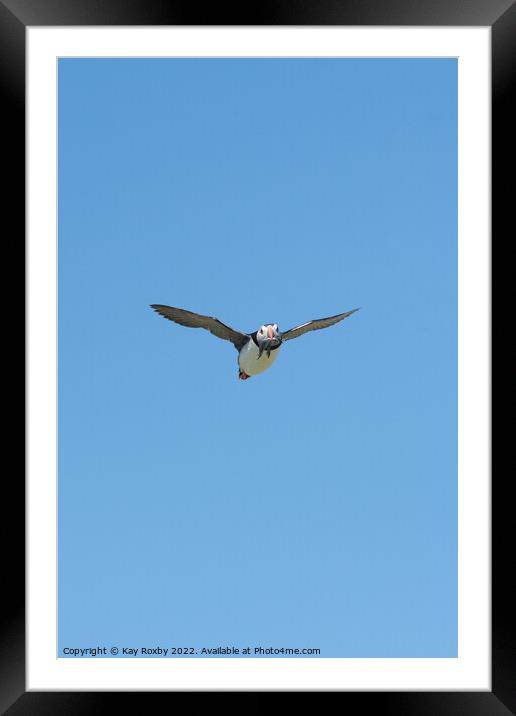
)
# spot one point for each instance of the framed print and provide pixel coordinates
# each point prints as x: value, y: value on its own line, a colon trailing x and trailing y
x: 320, y: 524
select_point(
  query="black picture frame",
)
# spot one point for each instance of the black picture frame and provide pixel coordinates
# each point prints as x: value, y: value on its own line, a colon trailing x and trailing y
x: 15, y: 16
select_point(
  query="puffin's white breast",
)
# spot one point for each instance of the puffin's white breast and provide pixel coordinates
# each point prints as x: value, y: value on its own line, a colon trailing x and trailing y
x: 249, y: 362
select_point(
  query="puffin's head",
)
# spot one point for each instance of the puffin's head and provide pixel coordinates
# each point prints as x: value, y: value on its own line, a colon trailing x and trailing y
x: 268, y: 337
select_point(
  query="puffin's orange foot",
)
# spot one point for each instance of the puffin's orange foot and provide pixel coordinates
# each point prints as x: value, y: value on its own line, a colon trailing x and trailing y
x: 243, y: 376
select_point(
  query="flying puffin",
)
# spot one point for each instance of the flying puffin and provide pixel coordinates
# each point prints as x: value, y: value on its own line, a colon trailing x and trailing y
x: 256, y: 351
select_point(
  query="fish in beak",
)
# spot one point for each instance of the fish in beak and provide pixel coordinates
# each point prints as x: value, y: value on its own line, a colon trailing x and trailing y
x: 268, y: 338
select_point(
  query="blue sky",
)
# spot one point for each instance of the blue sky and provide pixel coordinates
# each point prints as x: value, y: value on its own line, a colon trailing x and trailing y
x: 314, y: 505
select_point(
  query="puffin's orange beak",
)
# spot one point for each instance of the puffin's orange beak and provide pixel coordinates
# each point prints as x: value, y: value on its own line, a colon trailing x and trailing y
x: 269, y: 332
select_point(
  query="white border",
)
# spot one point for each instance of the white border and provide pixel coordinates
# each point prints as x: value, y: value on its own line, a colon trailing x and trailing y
x: 471, y: 670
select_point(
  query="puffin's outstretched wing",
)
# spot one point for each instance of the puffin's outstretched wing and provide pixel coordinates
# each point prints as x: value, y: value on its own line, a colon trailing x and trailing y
x: 195, y: 320
x: 315, y: 325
